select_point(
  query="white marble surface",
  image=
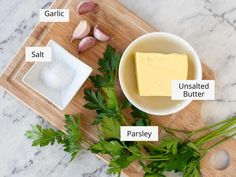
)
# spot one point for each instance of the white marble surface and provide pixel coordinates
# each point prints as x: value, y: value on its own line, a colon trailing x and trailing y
x: 209, y: 25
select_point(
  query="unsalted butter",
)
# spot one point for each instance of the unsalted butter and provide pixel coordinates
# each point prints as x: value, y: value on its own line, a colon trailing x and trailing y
x: 155, y: 72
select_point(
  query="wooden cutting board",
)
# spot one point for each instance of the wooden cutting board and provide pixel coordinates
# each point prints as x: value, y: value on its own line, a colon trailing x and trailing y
x: 124, y: 27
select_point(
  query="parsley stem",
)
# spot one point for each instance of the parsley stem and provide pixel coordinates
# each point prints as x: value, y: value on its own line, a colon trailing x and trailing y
x: 130, y: 150
x: 119, y: 112
x: 171, y: 129
x: 224, y: 127
x: 154, y: 159
x: 210, y: 127
x: 161, y: 157
x: 220, y: 134
x: 156, y: 147
x: 191, y: 133
x: 221, y: 141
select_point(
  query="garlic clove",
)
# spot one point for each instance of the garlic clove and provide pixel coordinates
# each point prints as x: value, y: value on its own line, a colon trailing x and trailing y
x: 86, y: 43
x: 82, y: 30
x: 99, y: 34
x: 86, y: 6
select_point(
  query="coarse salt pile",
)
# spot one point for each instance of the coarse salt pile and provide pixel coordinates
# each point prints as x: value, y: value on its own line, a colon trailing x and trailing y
x: 57, y: 75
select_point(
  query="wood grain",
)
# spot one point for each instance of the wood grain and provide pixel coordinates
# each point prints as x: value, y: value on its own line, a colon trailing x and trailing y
x: 124, y: 27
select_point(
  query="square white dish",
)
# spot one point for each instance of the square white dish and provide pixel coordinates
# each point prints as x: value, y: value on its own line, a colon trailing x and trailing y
x: 59, y: 97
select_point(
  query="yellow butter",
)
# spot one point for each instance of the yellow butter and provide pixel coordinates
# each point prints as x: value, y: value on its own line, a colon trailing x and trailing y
x: 155, y: 72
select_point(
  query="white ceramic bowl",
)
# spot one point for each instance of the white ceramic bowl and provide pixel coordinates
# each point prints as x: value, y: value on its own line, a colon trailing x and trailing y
x: 59, y: 97
x: 163, y: 43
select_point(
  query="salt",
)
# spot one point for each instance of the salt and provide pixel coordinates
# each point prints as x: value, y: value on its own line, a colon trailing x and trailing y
x: 57, y: 75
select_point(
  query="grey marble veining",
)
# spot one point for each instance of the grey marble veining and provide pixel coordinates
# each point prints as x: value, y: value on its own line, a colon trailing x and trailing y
x: 208, y: 25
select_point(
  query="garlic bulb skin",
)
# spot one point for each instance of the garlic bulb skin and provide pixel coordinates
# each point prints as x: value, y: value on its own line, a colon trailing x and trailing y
x: 86, y: 6
x: 86, y: 43
x: 100, y: 35
x: 82, y: 30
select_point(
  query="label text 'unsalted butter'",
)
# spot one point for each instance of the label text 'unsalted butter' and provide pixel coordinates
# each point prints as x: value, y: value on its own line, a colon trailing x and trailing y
x: 139, y: 133
x: 193, y: 90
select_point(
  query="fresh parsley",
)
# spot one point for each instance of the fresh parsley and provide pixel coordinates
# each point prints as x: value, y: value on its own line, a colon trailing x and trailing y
x: 109, y: 67
x: 44, y: 136
x: 70, y: 140
x: 110, y: 128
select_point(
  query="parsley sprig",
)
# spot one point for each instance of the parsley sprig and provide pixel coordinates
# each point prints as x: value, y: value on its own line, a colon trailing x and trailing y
x: 172, y: 153
x: 70, y: 139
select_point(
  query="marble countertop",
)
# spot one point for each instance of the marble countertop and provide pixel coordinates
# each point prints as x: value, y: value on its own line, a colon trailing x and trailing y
x: 208, y: 25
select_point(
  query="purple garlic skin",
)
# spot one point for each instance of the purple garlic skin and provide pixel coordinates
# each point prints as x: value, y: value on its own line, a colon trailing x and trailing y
x: 100, y: 35
x: 86, y: 6
x: 82, y: 30
x: 86, y: 43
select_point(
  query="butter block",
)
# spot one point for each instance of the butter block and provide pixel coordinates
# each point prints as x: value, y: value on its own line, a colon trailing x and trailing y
x: 155, y: 72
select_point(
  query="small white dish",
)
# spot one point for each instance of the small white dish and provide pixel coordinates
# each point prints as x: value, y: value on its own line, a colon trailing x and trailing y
x: 159, y: 42
x: 59, y: 97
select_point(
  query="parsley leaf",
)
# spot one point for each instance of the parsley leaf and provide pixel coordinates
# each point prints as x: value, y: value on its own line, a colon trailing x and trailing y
x: 141, y: 117
x: 110, y: 128
x: 180, y: 160
x: 107, y: 147
x: 138, y: 113
x: 104, y: 100
x: 105, y: 104
x: 170, y: 143
x: 111, y: 98
x: 43, y: 137
x: 95, y: 100
x: 125, y: 103
x: 70, y: 141
x: 120, y: 162
x: 73, y: 138
x: 108, y: 66
x: 105, y: 113
x: 110, y: 60
x: 101, y: 81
